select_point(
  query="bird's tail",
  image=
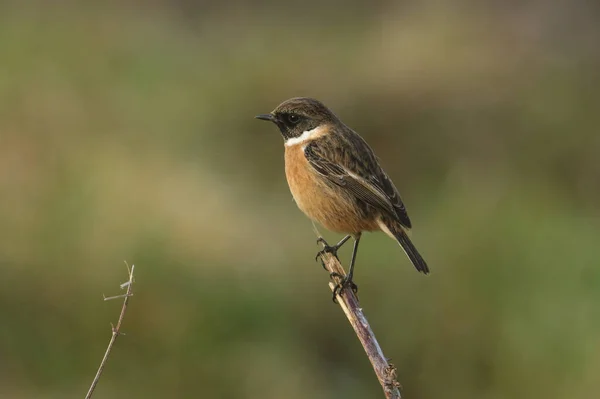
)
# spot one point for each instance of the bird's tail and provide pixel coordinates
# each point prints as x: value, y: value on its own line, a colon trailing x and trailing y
x: 400, y: 235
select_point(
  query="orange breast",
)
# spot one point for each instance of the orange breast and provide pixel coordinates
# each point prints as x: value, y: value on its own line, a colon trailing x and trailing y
x: 327, y: 205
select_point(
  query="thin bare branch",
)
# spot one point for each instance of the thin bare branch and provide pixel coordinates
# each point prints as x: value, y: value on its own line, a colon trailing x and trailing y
x: 115, y: 330
x: 385, y: 371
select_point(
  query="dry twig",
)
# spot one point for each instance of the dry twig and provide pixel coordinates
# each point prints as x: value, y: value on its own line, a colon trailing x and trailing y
x: 116, y: 330
x: 385, y: 371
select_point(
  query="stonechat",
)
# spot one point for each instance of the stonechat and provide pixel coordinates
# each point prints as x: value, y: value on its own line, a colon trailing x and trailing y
x: 336, y: 180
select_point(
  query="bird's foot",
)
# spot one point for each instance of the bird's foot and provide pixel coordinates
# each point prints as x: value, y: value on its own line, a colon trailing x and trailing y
x: 345, y: 282
x: 327, y: 249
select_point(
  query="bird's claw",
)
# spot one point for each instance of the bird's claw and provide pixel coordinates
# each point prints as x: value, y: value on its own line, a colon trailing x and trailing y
x: 345, y: 282
x: 327, y: 249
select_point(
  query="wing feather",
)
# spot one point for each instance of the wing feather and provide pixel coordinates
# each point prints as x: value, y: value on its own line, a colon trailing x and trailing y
x: 364, y: 180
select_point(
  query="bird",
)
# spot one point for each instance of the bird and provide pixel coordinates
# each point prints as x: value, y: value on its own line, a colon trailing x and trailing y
x: 335, y: 178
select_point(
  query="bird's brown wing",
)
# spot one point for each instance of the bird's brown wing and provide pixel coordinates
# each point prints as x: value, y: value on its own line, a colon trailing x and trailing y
x: 395, y: 199
x: 351, y: 165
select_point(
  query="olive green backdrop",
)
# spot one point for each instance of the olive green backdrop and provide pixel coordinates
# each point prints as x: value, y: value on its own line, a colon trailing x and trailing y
x: 127, y: 133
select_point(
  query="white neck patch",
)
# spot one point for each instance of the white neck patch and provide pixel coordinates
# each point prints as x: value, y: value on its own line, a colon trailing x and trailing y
x: 307, y: 135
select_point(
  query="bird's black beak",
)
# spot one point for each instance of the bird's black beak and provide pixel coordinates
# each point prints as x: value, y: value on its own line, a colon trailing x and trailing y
x: 266, y: 117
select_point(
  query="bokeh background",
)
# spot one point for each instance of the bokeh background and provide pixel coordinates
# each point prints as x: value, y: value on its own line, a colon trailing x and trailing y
x: 127, y: 133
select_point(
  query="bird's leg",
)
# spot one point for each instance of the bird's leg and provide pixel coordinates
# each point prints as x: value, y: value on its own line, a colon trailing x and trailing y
x: 347, y: 280
x: 329, y: 249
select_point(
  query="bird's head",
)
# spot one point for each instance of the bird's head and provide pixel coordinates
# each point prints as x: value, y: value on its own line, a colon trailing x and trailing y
x: 299, y: 116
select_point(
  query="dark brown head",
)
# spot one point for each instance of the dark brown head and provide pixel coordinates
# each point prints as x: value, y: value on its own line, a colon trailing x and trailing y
x: 298, y: 116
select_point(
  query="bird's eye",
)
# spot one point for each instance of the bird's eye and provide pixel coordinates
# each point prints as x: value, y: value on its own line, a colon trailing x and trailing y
x: 293, y: 118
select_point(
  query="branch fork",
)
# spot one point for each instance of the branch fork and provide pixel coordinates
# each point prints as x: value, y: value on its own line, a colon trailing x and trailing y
x: 116, y: 330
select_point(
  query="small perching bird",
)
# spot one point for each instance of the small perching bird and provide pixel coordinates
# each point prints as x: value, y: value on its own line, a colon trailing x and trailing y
x: 336, y: 180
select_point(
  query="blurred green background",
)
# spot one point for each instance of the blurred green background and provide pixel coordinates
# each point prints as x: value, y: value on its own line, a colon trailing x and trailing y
x: 127, y: 133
